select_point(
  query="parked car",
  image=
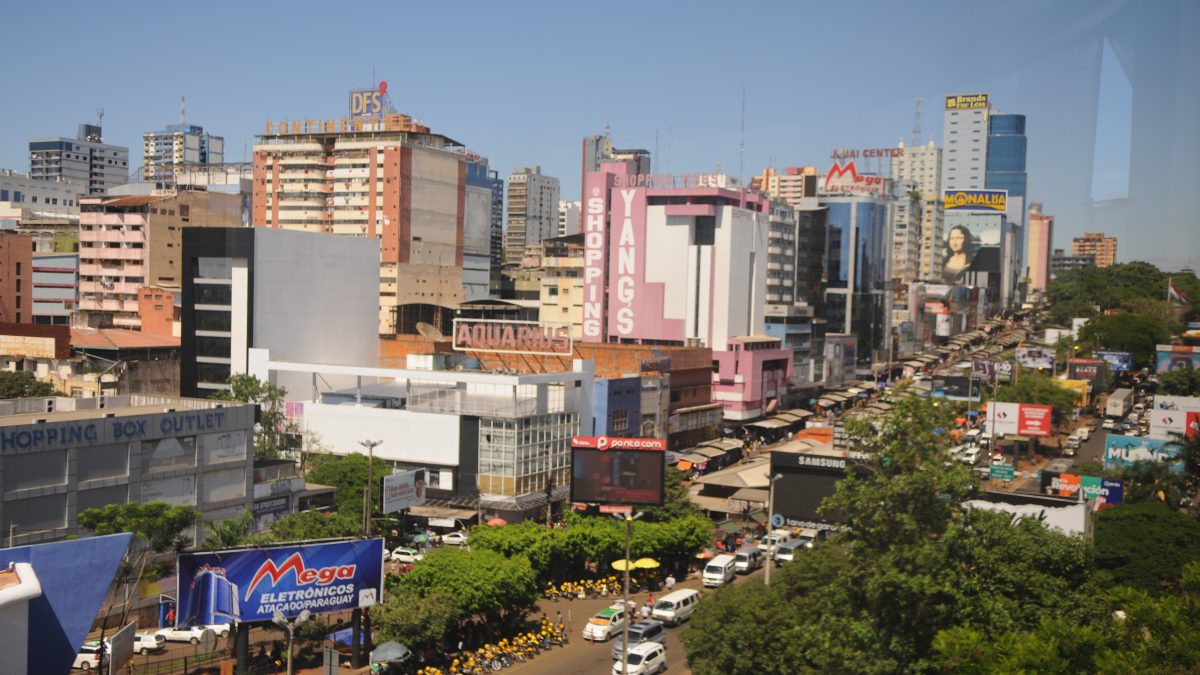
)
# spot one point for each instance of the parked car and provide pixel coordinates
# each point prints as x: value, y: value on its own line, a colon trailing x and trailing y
x: 607, y: 623
x: 639, y: 633
x: 408, y: 556
x: 192, y: 634
x: 676, y: 607
x: 1109, y: 425
x: 88, y: 657
x: 970, y: 456
x: 773, y: 539
x: 143, y: 643
x: 644, y: 659
x: 455, y: 539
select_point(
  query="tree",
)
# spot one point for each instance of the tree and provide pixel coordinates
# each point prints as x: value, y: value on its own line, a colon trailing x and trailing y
x: 413, y: 620
x: 1185, y: 382
x: 231, y: 532
x: 157, y: 527
x: 308, y: 525
x: 481, y: 582
x: 274, y: 435
x: 1135, y: 333
x: 348, y: 473
x: 676, y: 503
x: 1146, y: 545
x: 23, y: 385
x: 1038, y: 389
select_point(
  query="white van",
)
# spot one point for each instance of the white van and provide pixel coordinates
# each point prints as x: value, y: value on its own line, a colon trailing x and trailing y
x: 747, y: 560
x: 719, y: 571
x: 774, y: 539
x: 676, y: 607
x: 972, y: 437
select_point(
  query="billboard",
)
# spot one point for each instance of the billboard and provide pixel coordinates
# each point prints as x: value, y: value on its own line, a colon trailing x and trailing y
x: 843, y: 178
x: 403, y: 490
x: 595, y: 252
x: 251, y: 585
x: 1035, y: 357
x: 1118, y: 361
x: 368, y: 102
x: 805, y: 481
x: 1021, y: 419
x: 1081, y: 389
x: 1174, y: 415
x: 971, y: 244
x: 501, y: 336
x: 1122, y: 451
x: 958, y: 387
x: 967, y: 102
x: 989, y: 201
x: 1092, y: 370
x: 1105, y: 491
x: 983, y: 369
x: 1176, y: 357
x: 608, y: 470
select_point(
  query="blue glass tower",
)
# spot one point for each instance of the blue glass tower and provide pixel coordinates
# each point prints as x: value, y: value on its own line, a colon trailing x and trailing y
x: 856, y: 273
x: 1006, y: 153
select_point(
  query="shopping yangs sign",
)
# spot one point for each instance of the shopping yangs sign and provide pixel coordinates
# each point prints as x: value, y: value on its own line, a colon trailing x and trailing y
x: 844, y: 178
x: 967, y: 102
x: 992, y: 201
x: 251, y: 585
x: 403, y: 490
x: 1021, y: 419
x: 512, y: 337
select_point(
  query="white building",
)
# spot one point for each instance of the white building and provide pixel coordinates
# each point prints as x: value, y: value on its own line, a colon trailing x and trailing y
x: 907, y: 217
x: 304, y: 296
x: 35, y: 198
x: 568, y: 217
x: 85, y: 160
x: 965, y: 137
x: 922, y: 165
x: 167, y: 151
x: 532, y: 212
x: 494, y: 443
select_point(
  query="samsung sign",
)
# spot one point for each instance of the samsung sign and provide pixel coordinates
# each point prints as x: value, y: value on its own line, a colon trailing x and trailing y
x: 112, y: 430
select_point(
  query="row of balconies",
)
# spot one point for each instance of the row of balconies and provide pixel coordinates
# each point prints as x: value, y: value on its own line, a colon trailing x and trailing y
x: 107, y: 305
x: 93, y: 253
x: 88, y: 269
x: 120, y: 288
x: 127, y: 236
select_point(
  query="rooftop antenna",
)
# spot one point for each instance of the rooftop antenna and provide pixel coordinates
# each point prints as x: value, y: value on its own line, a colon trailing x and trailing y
x: 742, y: 144
x: 916, y: 132
x: 182, y: 110
x: 100, y: 117
x: 608, y: 129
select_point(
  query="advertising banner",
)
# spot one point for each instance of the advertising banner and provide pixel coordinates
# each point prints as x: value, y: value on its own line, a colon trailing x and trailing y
x: 250, y: 585
x: 1176, y: 357
x: 403, y: 490
x: 967, y: 102
x: 501, y: 336
x: 1091, y: 370
x: 611, y: 476
x: 1035, y: 357
x: 958, y: 387
x: 972, y: 245
x: 1117, y: 361
x: 1122, y: 451
x: 983, y: 369
x: 1106, y: 491
x: 843, y: 178
x: 1174, y: 415
x: 995, y: 201
x: 1081, y: 389
x: 1021, y: 419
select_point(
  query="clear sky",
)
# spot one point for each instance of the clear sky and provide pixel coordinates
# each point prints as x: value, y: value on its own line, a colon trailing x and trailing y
x: 523, y: 82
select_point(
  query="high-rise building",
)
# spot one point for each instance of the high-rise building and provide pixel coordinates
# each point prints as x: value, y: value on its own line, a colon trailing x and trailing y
x: 599, y: 149
x: 390, y: 178
x: 167, y: 151
x: 132, y: 241
x: 568, y: 217
x: 965, y: 138
x: 1101, y: 247
x: 1007, y: 149
x: 922, y: 165
x: 85, y: 160
x: 1039, y: 237
x: 496, y: 233
x: 16, y: 278
x: 933, y: 218
x: 795, y: 185
x: 532, y: 212
x: 907, y: 219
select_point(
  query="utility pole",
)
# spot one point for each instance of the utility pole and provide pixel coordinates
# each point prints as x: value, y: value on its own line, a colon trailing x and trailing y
x: 628, y: 518
x: 770, y: 526
x: 370, y: 446
x: 12, y: 527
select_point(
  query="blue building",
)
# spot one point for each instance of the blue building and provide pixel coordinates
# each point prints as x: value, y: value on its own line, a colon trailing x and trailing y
x: 617, y: 407
x: 857, y: 246
x: 1006, y: 155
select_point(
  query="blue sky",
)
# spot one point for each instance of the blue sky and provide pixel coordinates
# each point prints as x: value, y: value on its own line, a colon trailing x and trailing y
x: 523, y: 82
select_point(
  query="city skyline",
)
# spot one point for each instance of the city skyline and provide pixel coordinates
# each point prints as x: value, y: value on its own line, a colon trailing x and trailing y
x: 675, y: 91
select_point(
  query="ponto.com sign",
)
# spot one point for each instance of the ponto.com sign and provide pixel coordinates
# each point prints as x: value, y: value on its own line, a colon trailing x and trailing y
x: 614, y: 443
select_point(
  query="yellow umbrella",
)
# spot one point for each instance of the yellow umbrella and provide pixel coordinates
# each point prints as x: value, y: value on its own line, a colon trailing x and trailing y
x: 621, y: 564
x: 645, y: 563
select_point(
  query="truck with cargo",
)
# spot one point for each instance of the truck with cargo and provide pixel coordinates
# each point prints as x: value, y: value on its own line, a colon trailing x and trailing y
x: 1119, y: 403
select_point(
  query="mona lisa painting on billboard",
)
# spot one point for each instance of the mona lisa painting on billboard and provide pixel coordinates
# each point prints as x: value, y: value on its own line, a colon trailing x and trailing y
x: 972, y: 244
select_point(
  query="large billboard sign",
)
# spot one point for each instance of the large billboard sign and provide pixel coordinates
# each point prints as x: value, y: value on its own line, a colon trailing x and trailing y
x: 972, y: 244
x: 595, y: 253
x: 1118, y: 361
x: 251, y: 585
x: 368, y: 102
x: 967, y: 102
x: 627, y: 262
x: 1123, y: 451
x: 988, y: 201
x: 1035, y: 357
x: 1105, y: 491
x: 513, y: 337
x: 1081, y: 388
x: 403, y: 490
x: 1176, y: 357
x: 844, y: 178
x: 1092, y: 370
x: 628, y: 471
x: 1173, y: 415
x: 1020, y: 419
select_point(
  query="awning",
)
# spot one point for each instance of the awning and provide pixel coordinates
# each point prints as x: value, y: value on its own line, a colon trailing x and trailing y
x: 434, y: 511
x: 711, y: 453
x: 684, y: 465
x: 826, y: 403
x: 718, y: 504
x: 756, y: 495
x: 799, y: 412
x: 835, y: 397
x: 695, y: 458
x: 771, y: 423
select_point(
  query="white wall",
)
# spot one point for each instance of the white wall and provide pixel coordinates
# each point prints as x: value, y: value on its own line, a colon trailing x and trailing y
x: 424, y: 438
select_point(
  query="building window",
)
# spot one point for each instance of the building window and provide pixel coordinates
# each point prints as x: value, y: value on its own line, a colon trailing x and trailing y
x: 618, y: 421
x: 215, y: 373
x: 213, y: 346
x: 214, y: 294
x: 213, y: 321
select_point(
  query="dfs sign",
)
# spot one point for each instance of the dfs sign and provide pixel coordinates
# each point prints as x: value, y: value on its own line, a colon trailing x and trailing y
x: 368, y: 102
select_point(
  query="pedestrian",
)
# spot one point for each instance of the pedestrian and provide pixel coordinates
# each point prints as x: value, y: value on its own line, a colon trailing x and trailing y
x: 558, y: 617
x: 670, y: 581
x: 645, y: 612
x: 650, y: 600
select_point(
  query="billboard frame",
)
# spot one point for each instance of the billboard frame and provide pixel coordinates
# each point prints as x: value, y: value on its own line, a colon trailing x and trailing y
x: 617, y: 447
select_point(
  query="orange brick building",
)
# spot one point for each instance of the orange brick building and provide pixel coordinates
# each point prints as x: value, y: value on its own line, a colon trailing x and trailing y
x: 16, y: 278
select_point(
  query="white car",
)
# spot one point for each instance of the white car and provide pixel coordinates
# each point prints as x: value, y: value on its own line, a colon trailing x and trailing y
x: 88, y: 657
x: 455, y: 539
x: 192, y: 633
x: 1109, y: 425
x: 408, y: 556
x: 644, y: 659
x: 143, y: 643
x: 606, y: 624
x: 970, y: 456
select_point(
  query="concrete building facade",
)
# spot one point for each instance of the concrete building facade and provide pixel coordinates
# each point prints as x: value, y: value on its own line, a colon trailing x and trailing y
x: 169, y: 150
x: 531, y: 212
x: 1101, y: 247
x: 38, y: 198
x: 55, y: 287
x: 1039, y: 241
x: 86, y: 160
x: 965, y: 139
x: 16, y: 277
x: 568, y: 217
x: 922, y: 166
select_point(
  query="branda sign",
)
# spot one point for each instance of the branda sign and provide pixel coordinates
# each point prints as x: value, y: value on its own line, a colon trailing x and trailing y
x: 512, y: 337
x: 251, y: 585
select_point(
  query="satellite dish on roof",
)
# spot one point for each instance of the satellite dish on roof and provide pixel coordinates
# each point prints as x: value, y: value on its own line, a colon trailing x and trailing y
x: 428, y: 332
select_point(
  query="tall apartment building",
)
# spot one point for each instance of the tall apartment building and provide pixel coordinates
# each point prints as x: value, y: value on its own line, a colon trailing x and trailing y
x: 797, y: 186
x: 496, y: 233
x: 85, y: 160
x: 907, y: 238
x: 921, y: 166
x: 55, y: 287
x: 1098, y: 245
x: 598, y: 150
x: 1038, y: 240
x: 532, y: 211
x: 568, y: 217
x: 965, y: 138
x: 561, y: 294
x: 167, y: 151
x: 794, y: 185
x: 132, y: 241
x: 426, y: 199
x: 16, y: 283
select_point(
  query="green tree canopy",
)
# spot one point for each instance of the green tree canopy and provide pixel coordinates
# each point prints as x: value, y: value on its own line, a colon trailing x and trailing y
x: 414, y: 620
x: 1134, y: 333
x: 1146, y: 545
x: 1040, y: 389
x: 273, y: 434
x: 314, y: 525
x: 481, y: 582
x: 348, y: 473
x: 159, y: 525
x: 23, y: 385
x: 1185, y: 382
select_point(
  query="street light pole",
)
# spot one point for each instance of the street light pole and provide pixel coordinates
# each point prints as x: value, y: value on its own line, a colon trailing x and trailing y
x: 770, y: 525
x: 290, y: 628
x: 628, y: 564
x: 370, y: 446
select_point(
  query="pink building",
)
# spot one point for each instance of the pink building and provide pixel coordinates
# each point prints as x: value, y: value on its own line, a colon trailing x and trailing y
x: 682, y: 260
x: 1037, y: 247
